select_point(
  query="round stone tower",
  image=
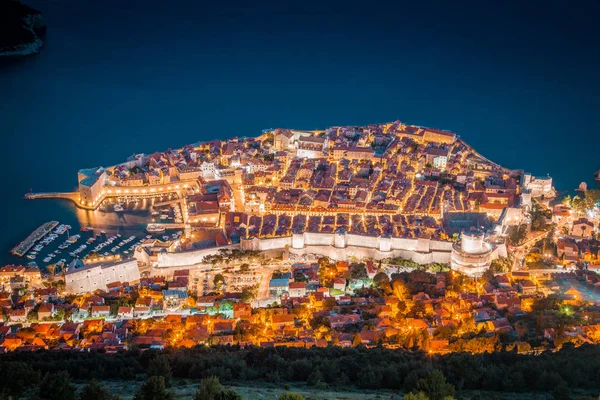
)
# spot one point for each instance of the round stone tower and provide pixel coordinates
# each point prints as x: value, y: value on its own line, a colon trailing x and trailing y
x: 472, y: 255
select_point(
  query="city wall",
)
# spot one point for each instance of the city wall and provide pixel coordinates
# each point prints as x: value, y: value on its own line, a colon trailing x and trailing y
x: 335, y: 245
x: 187, y: 258
x: 344, y: 245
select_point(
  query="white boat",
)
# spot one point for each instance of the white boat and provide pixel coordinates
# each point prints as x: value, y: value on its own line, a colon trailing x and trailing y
x: 153, y: 228
x: 164, y: 216
x: 31, y: 256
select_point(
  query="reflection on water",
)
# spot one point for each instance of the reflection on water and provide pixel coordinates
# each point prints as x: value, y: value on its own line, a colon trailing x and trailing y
x: 134, y: 218
x: 128, y: 229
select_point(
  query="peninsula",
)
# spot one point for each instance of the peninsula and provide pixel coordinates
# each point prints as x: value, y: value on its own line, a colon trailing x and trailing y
x: 377, y: 191
x: 20, y: 29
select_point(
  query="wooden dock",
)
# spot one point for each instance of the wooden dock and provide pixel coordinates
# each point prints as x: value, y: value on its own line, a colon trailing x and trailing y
x: 22, y: 248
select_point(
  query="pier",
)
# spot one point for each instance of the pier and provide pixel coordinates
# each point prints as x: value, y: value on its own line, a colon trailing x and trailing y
x: 40, y: 232
x: 170, y: 225
x: 72, y: 196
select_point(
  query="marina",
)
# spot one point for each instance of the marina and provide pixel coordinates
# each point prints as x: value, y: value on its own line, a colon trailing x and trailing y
x: 22, y: 248
x: 45, y: 247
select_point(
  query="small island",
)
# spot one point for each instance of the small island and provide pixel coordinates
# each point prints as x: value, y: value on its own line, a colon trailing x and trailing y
x: 20, y: 29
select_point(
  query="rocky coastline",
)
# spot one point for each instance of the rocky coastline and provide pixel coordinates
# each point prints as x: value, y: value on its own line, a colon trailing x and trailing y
x: 21, y: 29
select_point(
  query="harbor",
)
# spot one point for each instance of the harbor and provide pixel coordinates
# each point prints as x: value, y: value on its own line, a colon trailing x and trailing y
x: 111, y: 232
x: 22, y: 248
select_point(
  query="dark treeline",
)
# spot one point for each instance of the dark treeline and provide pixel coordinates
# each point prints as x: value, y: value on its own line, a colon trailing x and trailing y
x: 322, y: 367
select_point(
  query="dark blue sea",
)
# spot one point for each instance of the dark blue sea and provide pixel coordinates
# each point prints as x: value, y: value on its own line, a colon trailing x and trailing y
x: 517, y: 81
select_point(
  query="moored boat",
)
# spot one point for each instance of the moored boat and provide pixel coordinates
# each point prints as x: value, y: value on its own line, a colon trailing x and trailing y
x: 153, y: 228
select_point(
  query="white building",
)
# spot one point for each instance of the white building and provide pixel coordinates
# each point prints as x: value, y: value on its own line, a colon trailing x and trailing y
x: 86, y: 278
x: 208, y: 170
x: 471, y: 255
x: 538, y: 186
x: 91, y: 182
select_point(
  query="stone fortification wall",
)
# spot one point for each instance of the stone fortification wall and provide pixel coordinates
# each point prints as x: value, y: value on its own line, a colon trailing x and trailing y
x: 334, y: 245
x: 188, y: 258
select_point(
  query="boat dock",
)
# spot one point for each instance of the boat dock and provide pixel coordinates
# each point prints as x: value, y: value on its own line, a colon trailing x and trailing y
x: 40, y: 232
x: 170, y: 225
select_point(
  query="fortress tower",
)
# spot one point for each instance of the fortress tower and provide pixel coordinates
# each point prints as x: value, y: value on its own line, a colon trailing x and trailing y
x: 472, y: 255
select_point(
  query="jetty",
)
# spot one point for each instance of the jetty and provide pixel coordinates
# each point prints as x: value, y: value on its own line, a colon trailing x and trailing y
x: 22, y: 248
x: 72, y: 196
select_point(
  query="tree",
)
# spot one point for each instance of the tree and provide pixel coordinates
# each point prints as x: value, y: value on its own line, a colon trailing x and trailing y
x: 357, y: 341
x: 218, y: 282
x: 591, y: 198
x: 502, y: 264
x: 315, y: 377
x: 56, y: 386
x: 521, y: 328
x: 327, y: 272
x: 418, y: 310
x: 249, y: 293
x: 435, y: 386
x: 415, y: 396
x: 382, y: 281
x: 291, y: 396
x: 95, y: 391
x: 400, y: 289
x: 16, y: 377
x: 518, y: 234
x: 154, y: 389
x: 561, y: 392
x: 211, y: 389
x: 159, y: 366
x: 245, y: 267
x: 358, y: 271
